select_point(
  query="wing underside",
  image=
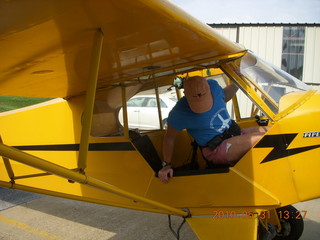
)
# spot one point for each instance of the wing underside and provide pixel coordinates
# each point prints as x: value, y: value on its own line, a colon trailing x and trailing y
x: 45, y: 52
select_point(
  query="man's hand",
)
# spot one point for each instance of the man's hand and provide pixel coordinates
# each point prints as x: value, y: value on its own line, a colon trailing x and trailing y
x: 165, y: 173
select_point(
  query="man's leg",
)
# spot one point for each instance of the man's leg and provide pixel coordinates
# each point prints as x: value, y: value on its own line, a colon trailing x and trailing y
x: 231, y: 150
x: 239, y: 145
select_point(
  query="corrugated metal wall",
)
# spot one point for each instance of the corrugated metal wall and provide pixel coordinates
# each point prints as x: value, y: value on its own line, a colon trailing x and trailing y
x: 311, y: 65
x: 228, y: 32
x: 266, y: 42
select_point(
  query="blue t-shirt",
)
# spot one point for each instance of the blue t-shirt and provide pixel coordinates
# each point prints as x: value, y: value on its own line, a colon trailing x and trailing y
x: 202, y: 126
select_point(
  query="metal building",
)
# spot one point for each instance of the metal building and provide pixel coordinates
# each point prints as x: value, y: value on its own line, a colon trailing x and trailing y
x: 293, y: 47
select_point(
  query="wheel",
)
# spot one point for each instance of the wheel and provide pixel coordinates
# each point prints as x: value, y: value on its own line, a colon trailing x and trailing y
x: 291, y: 223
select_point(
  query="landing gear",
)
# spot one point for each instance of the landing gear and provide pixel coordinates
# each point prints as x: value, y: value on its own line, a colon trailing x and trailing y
x: 291, y: 221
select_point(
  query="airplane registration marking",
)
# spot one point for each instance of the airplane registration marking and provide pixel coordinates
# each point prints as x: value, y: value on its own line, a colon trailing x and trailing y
x: 311, y: 134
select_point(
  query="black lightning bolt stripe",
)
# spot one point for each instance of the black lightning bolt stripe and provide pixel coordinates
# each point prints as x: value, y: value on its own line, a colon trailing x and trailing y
x: 116, y: 146
x: 279, y: 143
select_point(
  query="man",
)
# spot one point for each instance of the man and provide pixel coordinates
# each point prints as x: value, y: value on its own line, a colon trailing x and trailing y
x: 202, y: 111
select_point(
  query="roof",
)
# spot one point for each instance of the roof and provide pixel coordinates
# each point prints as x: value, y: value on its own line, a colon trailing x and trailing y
x: 228, y: 25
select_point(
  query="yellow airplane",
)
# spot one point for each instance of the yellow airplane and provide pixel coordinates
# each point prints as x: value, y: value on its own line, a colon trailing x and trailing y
x: 91, y: 57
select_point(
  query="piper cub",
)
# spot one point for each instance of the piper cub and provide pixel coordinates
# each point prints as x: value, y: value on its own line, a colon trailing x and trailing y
x: 111, y: 66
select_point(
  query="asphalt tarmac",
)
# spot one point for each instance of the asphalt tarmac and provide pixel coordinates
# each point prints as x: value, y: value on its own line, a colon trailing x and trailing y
x: 29, y: 216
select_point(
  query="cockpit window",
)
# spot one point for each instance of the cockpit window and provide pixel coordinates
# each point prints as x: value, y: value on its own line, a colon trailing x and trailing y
x: 270, y: 82
x: 142, y: 109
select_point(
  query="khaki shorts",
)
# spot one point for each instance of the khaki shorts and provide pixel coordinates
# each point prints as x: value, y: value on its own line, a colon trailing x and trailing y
x: 217, y: 155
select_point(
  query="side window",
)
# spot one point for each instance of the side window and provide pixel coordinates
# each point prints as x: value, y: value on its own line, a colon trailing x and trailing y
x: 135, y: 102
x: 246, y: 108
x: 163, y: 104
x: 142, y: 110
x: 151, y: 102
x: 293, y: 50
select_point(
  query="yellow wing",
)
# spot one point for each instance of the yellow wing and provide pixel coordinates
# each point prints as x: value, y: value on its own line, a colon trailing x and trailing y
x: 45, y: 45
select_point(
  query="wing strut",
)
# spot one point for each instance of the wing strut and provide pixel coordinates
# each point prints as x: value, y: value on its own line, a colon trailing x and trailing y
x: 36, y: 162
x: 8, y: 165
x: 90, y: 98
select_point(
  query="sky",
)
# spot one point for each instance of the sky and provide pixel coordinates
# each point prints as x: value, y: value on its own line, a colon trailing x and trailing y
x: 253, y: 11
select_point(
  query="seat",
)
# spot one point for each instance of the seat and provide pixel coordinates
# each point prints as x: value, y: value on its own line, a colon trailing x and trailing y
x: 210, y: 165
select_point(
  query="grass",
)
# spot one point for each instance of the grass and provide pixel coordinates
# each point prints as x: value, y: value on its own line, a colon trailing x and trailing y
x: 11, y: 103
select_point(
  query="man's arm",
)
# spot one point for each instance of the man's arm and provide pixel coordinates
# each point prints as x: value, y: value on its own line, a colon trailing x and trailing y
x: 168, y: 147
x: 230, y: 91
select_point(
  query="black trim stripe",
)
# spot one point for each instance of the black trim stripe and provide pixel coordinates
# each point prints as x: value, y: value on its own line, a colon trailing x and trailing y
x: 116, y: 146
x: 279, y: 143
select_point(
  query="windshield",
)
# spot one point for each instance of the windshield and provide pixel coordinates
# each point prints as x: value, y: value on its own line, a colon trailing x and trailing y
x: 272, y: 81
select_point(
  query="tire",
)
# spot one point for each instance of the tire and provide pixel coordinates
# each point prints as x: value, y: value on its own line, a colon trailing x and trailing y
x: 291, y: 223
